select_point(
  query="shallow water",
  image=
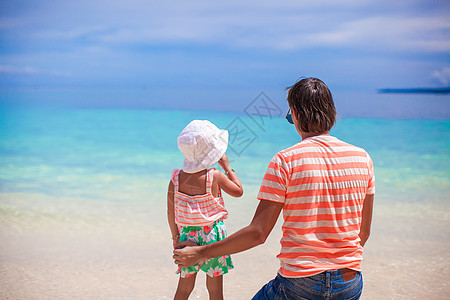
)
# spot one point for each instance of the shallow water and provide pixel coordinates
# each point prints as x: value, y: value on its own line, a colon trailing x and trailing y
x: 82, y: 203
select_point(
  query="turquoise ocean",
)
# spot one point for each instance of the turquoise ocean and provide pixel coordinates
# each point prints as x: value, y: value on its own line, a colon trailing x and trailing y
x: 102, y: 174
x: 91, y: 153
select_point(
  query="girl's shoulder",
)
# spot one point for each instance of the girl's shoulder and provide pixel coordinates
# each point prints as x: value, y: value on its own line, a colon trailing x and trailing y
x: 217, y: 175
x: 214, y: 172
x: 175, y: 173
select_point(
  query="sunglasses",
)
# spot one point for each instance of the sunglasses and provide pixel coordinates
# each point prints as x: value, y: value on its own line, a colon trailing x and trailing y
x: 289, y: 116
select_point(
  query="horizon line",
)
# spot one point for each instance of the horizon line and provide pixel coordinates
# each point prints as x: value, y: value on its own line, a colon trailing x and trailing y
x: 441, y: 91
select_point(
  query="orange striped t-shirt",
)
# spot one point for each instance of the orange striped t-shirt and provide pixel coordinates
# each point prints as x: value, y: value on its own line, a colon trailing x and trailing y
x: 198, y: 210
x: 322, y: 182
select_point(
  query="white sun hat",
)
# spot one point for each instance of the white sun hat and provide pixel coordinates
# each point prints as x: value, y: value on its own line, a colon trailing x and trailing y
x: 202, y: 144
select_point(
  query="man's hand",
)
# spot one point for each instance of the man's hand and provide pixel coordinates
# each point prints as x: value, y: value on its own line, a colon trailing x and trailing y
x: 187, y: 254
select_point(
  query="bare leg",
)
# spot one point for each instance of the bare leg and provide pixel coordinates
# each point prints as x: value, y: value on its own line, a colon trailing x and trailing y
x: 185, y: 287
x: 215, y: 287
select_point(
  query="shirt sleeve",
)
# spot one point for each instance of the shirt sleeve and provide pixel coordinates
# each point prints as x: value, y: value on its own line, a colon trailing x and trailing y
x: 275, y: 181
x: 371, y: 185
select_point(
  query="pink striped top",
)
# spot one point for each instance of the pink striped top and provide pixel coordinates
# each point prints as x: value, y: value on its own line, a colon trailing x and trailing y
x: 198, y: 210
x: 322, y: 182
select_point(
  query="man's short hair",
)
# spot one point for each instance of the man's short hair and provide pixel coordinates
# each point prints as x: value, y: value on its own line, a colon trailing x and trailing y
x: 312, y: 101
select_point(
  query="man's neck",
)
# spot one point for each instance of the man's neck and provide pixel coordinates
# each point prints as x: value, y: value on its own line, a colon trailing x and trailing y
x: 306, y: 135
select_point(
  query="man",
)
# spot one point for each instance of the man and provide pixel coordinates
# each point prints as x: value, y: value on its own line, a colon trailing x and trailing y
x: 325, y: 188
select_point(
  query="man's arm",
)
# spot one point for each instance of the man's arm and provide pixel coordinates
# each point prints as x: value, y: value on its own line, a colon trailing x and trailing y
x: 256, y: 233
x: 366, y: 221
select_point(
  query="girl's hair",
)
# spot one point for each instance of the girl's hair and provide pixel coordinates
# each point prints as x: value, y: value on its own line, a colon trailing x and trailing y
x: 312, y: 101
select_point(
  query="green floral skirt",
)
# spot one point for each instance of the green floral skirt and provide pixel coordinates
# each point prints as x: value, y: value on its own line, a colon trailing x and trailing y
x: 204, y: 235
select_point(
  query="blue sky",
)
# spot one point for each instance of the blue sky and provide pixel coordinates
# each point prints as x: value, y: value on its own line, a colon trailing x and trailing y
x: 221, y: 55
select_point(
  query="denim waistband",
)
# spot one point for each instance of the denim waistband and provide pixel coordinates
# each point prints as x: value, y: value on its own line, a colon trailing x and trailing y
x: 326, y: 285
x: 331, y: 274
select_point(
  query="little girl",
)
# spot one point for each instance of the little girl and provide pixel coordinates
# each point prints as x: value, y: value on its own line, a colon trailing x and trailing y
x: 195, y: 206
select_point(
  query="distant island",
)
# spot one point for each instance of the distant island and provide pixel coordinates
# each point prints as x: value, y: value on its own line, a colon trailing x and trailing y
x: 416, y: 91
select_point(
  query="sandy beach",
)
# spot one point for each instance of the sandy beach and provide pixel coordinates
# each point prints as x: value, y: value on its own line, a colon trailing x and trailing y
x: 68, y: 248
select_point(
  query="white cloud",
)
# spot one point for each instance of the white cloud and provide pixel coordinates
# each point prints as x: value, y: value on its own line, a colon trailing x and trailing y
x: 17, y: 70
x: 8, y: 69
x: 79, y: 36
x: 386, y: 33
x: 442, y: 75
x: 252, y: 24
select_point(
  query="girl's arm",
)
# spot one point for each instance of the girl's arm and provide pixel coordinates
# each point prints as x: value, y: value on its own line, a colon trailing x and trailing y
x: 171, y: 214
x: 230, y: 183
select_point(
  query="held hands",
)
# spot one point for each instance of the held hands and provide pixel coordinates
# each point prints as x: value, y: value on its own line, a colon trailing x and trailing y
x: 177, y: 244
x: 186, y: 254
x: 180, y: 245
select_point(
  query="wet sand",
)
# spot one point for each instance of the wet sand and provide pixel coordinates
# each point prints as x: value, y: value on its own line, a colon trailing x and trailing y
x: 55, y: 248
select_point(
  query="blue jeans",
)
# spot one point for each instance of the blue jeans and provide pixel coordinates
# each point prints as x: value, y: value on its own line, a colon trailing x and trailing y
x: 326, y: 285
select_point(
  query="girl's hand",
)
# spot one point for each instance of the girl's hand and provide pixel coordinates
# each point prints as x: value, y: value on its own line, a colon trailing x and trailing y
x: 180, y: 245
x: 224, y: 163
x: 229, y: 181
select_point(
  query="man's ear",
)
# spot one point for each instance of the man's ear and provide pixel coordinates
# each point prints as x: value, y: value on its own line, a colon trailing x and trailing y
x: 294, y: 115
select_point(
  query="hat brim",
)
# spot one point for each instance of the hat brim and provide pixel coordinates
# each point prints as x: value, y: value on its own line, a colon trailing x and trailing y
x: 211, y: 157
